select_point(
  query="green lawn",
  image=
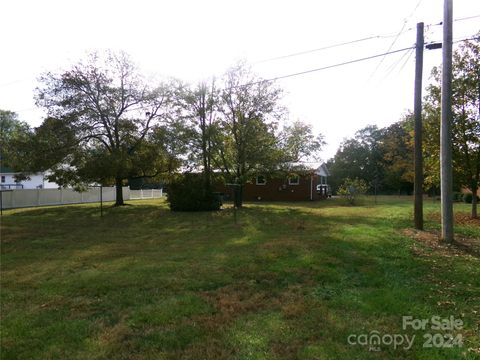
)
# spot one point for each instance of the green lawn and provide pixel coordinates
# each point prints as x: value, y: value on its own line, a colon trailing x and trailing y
x: 289, y: 281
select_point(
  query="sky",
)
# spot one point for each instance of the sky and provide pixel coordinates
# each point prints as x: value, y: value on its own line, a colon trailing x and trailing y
x: 193, y: 40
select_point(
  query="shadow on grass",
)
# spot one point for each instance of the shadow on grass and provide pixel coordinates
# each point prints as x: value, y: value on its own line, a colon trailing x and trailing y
x: 289, y: 280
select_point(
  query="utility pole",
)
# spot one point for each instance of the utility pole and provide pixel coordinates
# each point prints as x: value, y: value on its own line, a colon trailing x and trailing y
x: 418, y: 161
x: 446, y: 126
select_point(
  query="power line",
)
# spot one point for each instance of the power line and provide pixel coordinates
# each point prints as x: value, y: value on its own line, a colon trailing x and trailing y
x: 389, y: 48
x: 322, y: 68
x: 405, y: 57
x: 457, y: 40
x: 428, y: 27
x: 410, y: 53
x: 459, y: 19
x: 415, y: 9
x: 384, y: 36
x: 327, y: 47
x: 14, y: 82
x: 477, y: 38
x: 373, y: 37
x: 468, y: 18
x: 405, y: 21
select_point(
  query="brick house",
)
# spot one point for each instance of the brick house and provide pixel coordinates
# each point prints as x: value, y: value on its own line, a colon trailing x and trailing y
x: 300, y: 185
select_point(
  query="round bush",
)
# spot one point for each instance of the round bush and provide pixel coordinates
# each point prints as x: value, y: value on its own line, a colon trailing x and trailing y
x: 468, y: 198
x: 188, y: 193
x: 457, y: 196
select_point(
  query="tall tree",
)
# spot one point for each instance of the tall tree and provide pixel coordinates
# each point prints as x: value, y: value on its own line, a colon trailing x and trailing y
x: 397, y: 155
x: 431, y: 136
x: 299, y: 143
x: 382, y: 157
x: 466, y: 118
x: 359, y: 157
x: 111, y: 111
x: 12, y: 132
x: 200, y: 107
x: 44, y: 150
x: 250, y: 111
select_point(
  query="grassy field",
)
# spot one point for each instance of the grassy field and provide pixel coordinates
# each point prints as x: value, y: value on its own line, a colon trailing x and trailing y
x: 289, y: 281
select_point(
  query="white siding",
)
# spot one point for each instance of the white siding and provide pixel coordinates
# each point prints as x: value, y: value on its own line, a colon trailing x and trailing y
x: 36, y: 181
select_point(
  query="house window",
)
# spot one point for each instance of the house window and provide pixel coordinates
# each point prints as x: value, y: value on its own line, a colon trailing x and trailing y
x: 3, y: 178
x: 294, y: 180
x: 261, y: 180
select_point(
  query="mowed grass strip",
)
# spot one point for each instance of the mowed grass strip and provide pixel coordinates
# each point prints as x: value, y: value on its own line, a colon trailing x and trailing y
x: 289, y: 281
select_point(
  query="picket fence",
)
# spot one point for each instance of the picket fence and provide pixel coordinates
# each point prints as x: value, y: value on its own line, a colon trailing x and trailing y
x: 11, y: 199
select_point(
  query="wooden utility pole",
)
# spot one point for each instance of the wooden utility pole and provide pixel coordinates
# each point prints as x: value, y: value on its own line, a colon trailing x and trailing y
x: 418, y: 161
x: 446, y: 185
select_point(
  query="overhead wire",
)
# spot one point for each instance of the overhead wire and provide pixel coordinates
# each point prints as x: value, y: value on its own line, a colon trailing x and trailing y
x: 457, y: 40
x: 405, y: 22
x: 409, y: 49
x: 321, y: 68
x: 406, y: 54
x: 326, y: 47
x: 477, y: 38
x: 13, y: 82
x: 410, y: 54
x: 373, y: 37
x: 467, y: 18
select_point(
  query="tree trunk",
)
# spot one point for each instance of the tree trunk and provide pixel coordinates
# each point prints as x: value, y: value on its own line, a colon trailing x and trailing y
x: 119, y: 192
x: 474, y: 202
x: 206, y: 169
x: 238, y: 198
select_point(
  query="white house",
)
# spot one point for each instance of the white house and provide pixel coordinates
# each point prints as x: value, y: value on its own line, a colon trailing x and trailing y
x: 35, y: 181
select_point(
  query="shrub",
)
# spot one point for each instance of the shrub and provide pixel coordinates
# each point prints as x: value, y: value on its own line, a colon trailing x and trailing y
x: 188, y: 193
x: 468, y: 198
x: 457, y: 196
x: 352, y: 188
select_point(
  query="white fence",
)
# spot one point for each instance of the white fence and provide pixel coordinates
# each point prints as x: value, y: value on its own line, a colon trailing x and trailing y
x: 145, y: 194
x: 41, y: 197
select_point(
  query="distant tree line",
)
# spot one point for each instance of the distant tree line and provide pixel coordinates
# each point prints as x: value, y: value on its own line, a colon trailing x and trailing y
x: 383, y: 157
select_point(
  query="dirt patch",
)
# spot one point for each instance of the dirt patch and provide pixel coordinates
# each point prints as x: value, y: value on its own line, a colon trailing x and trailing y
x: 210, y: 348
x: 116, y: 335
x: 432, y: 239
x: 461, y: 218
x: 234, y: 300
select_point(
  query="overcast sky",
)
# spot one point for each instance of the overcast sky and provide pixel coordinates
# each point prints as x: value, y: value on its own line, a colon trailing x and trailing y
x: 194, y: 40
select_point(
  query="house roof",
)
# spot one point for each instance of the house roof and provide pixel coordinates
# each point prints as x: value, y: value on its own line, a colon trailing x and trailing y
x: 322, y: 170
x: 318, y: 168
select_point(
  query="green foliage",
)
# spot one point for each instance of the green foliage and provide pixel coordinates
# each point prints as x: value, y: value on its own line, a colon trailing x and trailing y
x: 468, y: 198
x: 13, y: 133
x: 112, y: 114
x: 298, y: 142
x: 382, y: 157
x: 188, y: 193
x: 397, y: 156
x: 198, y: 105
x: 249, y: 109
x: 351, y: 189
x: 465, y: 120
x: 457, y: 196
